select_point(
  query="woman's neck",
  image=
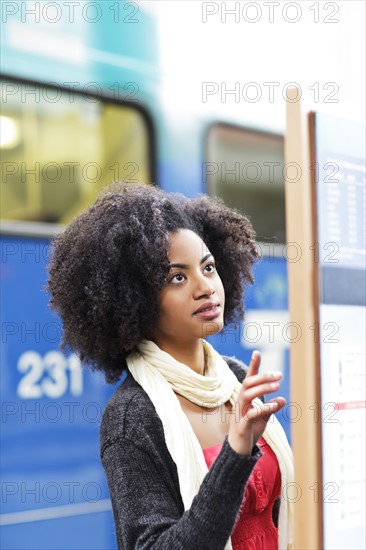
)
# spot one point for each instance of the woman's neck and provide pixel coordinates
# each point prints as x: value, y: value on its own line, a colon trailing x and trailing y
x: 189, y: 353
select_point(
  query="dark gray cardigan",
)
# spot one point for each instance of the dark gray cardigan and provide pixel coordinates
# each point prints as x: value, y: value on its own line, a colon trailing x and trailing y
x: 143, y: 480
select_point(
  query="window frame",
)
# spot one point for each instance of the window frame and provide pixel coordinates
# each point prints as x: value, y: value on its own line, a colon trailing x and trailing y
x: 249, y: 130
x: 46, y: 229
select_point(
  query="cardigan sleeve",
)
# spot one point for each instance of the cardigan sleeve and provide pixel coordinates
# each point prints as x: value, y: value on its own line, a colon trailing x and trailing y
x: 146, y: 513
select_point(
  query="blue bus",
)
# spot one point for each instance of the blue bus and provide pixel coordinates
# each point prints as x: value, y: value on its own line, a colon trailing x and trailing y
x: 81, y: 107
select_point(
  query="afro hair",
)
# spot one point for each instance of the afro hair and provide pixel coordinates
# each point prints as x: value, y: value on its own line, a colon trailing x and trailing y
x: 110, y: 263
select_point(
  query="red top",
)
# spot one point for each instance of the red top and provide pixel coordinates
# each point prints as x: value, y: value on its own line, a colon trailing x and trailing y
x: 254, y: 528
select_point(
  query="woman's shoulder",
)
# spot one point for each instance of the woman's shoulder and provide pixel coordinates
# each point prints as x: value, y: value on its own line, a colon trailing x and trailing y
x: 128, y: 414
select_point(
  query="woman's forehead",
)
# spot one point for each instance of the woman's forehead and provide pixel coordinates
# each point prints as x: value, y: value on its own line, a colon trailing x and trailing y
x: 184, y: 244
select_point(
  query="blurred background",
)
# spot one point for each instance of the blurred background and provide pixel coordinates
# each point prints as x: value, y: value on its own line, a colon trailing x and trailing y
x: 190, y: 96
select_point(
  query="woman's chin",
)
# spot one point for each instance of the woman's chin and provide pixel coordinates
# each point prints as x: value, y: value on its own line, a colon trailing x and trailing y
x: 209, y: 328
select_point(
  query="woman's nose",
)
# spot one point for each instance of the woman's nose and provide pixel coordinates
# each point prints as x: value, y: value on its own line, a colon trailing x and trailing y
x: 203, y: 287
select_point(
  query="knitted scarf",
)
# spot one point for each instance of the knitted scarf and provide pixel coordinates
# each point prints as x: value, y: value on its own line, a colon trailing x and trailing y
x: 158, y: 373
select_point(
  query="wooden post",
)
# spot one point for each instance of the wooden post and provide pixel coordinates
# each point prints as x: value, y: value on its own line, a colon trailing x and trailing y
x: 304, y: 307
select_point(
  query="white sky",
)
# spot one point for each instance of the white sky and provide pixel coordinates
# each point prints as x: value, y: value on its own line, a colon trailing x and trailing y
x: 327, y: 56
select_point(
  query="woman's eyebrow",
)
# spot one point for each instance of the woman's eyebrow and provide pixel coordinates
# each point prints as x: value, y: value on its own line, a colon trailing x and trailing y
x: 185, y: 266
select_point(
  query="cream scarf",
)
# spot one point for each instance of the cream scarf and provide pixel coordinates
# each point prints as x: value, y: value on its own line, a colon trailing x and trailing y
x: 159, y: 374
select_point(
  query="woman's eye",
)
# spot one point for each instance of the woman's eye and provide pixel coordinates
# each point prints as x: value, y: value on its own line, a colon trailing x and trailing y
x: 211, y: 267
x: 178, y: 278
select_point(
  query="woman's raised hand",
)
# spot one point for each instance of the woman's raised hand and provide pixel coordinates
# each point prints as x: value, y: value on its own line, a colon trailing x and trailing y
x: 248, y: 421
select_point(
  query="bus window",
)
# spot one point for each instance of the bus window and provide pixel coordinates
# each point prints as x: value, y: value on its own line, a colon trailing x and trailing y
x: 245, y: 168
x: 60, y: 148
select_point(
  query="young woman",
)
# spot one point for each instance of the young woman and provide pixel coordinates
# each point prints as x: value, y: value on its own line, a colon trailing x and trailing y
x: 193, y: 456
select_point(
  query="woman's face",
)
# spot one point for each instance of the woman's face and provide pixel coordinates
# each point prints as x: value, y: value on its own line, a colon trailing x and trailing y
x: 192, y: 284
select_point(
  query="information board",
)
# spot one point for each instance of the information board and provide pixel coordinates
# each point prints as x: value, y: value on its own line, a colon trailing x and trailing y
x: 340, y: 190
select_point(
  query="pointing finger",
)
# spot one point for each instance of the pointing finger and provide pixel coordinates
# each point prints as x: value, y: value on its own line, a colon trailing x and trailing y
x: 254, y: 363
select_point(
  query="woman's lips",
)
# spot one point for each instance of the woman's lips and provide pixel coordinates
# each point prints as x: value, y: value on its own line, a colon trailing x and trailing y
x: 210, y: 313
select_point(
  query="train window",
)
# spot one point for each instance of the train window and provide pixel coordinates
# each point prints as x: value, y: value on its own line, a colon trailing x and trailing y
x: 245, y: 168
x: 60, y: 148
